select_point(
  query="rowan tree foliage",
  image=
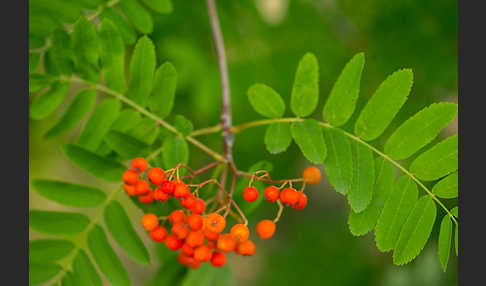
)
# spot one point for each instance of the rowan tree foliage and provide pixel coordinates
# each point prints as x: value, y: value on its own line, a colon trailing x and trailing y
x: 127, y: 99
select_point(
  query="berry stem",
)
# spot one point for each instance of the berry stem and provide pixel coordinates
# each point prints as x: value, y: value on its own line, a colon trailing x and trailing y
x: 280, y: 211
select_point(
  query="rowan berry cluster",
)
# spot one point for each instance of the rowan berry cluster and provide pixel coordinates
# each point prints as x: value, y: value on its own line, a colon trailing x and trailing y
x: 199, y: 236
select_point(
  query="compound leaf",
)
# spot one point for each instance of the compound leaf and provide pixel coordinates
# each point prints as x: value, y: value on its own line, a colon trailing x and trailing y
x: 138, y: 15
x: 43, y: 250
x: 361, y: 190
x: 69, y: 194
x: 183, y: 125
x: 112, y: 54
x: 266, y: 101
x: 85, y: 271
x: 447, y: 188
x: 125, y: 145
x: 44, y: 104
x: 175, y: 151
x: 85, y: 43
x: 161, y: 6
x: 142, y: 66
x: 445, y: 241
x: 162, y: 97
x: 54, y: 222
x: 128, y: 34
x: 308, y: 136
x: 127, y: 120
x: 305, y: 90
x: 41, y: 272
x: 278, y: 137
x: 339, y: 160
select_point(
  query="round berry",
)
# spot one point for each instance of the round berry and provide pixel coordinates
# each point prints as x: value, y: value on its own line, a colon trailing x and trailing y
x: 129, y: 189
x: 156, y: 176
x: 195, y: 238
x: 215, y: 222
x: 130, y: 177
x: 289, y: 196
x: 246, y: 248
x: 212, y: 244
x: 198, y: 207
x: 139, y: 165
x: 177, y: 216
x: 172, y: 242
x: 150, y: 221
x: 158, y: 234
x: 142, y: 187
x: 271, y: 193
x: 181, y: 190
x: 167, y: 187
x: 147, y: 198
x: 184, y: 259
x: 301, y: 202
x: 250, y: 194
x: 187, y: 250
x: 180, y: 230
x: 311, y: 175
x: 188, y: 201
x: 218, y: 258
x: 226, y: 242
x: 265, y: 228
x: 194, y: 264
x: 211, y: 236
x: 159, y: 195
x: 202, y: 253
x: 194, y: 221
x: 240, y: 232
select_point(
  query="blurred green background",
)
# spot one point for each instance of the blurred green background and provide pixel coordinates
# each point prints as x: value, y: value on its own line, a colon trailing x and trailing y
x: 264, y: 41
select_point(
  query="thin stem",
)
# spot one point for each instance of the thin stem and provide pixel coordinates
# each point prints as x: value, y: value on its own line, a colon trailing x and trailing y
x: 207, y: 130
x: 230, y: 195
x: 228, y: 136
x: 280, y: 210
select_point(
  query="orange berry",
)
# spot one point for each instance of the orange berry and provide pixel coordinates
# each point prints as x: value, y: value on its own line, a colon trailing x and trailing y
x: 194, y: 221
x: 212, y: 244
x: 184, y: 259
x: 158, y: 234
x: 180, y: 230
x: 142, y: 187
x: 167, y: 187
x: 198, y: 207
x: 156, y: 176
x: 187, y: 250
x: 172, y: 242
x: 195, y: 238
x: 240, y: 232
x: 160, y: 195
x: 246, y: 248
x: 311, y: 175
x: 218, y: 258
x: 289, y: 196
x: 139, y: 165
x: 202, y: 253
x: 211, y: 235
x: 226, y: 242
x: 215, y: 222
x: 130, y: 177
x: 188, y: 201
x: 194, y: 263
x: 271, y: 193
x: 181, y: 190
x: 177, y: 216
x: 250, y: 194
x: 147, y: 198
x: 301, y: 202
x: 129, y: 189
x: 150, y: 221
x: 265, y: 228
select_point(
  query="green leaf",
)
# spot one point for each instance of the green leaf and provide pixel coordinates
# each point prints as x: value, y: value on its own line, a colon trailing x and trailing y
x: 175, y: 151
x: 207, y: 275
x: 363, y: 222
x: 419, y: 130
x: 447, y: 188
x: 146, y: 131
x: 44, y: 250
x: 438, y: 161
x: 40, y: 26
x: 161, y: 100
x: 361, y: 191
x: 39, y: 81
x: 69, y: 194
x: 456, y: 239
x: 161, y: 6
x: 79, y: 107
x: 127, y: 33
x: 171, y: 273
x: 106, y: 258
x: 99, y: 124
x: 85, y: 43
x: 34, y: 59
x: 305, y: 91
x: 125, y: 145
x: 455, y: 212
x: 142, y: 66
x: 416, y: 231
x: 112, y: 54
x: 127, y: 119
x: 384, y: 105
x: 395, y: 213
x: 308, y: 136
x: 266, y: 101
x: 101, y: 167
x: 85, y: 270
x: 68, y: 279
x: 344, y: 94
x: 183, y: 125
x: 44, y: 104
x: 138, y: 15
x: 41, y: 272
x: 278, y: 137
x: 122, y: 231
x: 53, y: 222
x: 339, y: 160
x: 61, y: 52
x: 445, y: 241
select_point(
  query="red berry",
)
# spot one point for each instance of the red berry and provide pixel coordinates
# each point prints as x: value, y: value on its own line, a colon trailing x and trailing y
x: 130, y: 177
x: 289, y: 196
x: 129, y: 189
x: 180, y: 230
x: 167, y: 187
x: 188, y: 201
x: 150, y: 221
x: 195, y: 238
x: 139, y: 165
x: 194, y: 221
x: 156, y: 176
x: 246, y: 248
x: 147, y: 198
x: 181, y: 190
x: 218, y: 259
x: 177, y: 216
x: 301, y: 202
x: 142, y: 187
x: 202, y: 253
x: 172, y: 242
x: 160, y: 195
x: 250, y: 194
x: 265, y: 228
x: 187, y: 250
x: 271, y: 193
x: 158, y: 234
x: 311, y: 175
x: 198, y: 207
